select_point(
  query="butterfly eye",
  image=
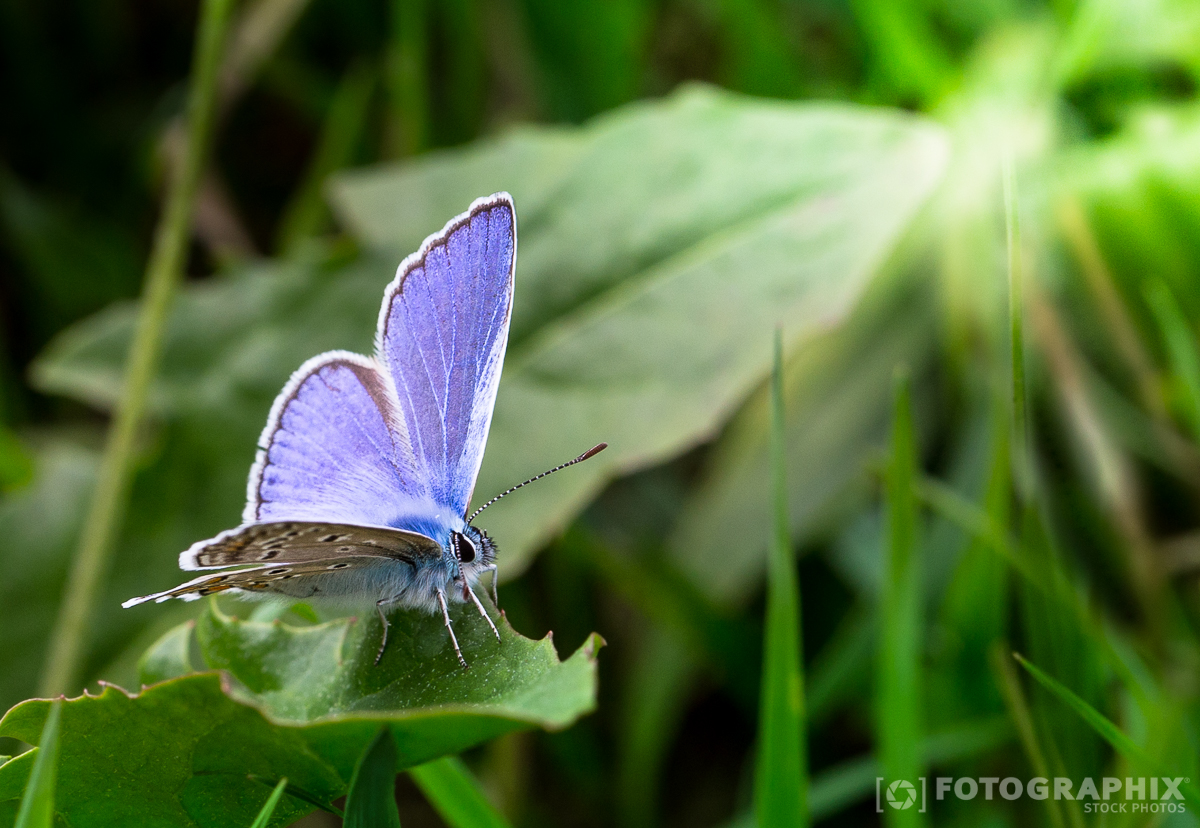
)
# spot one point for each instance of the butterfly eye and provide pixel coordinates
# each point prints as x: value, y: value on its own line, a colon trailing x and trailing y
x: 464, y: 550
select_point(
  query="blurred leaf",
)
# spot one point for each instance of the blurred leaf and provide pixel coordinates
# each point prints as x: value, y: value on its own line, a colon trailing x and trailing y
x: 16, y: 466
x: 169, y: 657
x: 898, y: 726
x: 296, y: 702
x: 455, y: 794
x: 838, y: 410
x: 37, y: 804
x: 371, y: 802
x: 268, y: 809
x: 781, y: 770
x: 628, y: 326
x: 39, y: 524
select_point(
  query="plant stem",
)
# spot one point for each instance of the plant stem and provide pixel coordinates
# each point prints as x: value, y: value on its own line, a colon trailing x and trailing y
x: 163, y: 272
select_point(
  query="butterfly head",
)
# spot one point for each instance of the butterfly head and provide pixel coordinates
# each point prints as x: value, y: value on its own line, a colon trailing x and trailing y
x: 474, y: 551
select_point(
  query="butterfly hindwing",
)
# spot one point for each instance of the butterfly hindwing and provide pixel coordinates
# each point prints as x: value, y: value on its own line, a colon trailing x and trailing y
x: 295, y: 580
x: 298, y: 542
x: 442, y: 333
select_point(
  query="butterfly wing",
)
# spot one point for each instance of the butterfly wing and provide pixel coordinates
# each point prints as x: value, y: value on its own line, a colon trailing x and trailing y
x: 295, y: 542
x: 442, y: 333
x: 295, y: 559
x: 297, y: 580
x: 335, y: 449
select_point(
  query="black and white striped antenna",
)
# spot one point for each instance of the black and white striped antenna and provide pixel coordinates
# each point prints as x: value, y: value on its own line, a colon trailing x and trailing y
x: 592, y: 452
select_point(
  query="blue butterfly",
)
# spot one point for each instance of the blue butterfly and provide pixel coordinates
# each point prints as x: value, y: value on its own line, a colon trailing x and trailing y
x: 366, y: 466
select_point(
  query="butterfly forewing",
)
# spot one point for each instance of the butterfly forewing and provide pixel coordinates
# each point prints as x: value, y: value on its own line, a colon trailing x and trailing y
x: 335, y: 448
x: 298, y: 542
x: 442, y: 333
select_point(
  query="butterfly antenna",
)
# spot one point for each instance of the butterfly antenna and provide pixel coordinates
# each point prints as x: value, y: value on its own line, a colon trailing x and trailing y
x: 592, y: 452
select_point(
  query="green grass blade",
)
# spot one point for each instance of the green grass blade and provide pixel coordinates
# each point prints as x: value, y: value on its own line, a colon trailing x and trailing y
x: 781, y: 778
x: 1022, y: 718
x: 407, y: 78
x: 371, y: 802
x: 1108, y: 731
x: 37, y: 805
x: 1022, y: 459
x: 1180, y: 342
x: 164, y: 271
x: 264, y: 816
x: 658, y: 685
x: 341, y: 133
x: 455, y: 794
x: 898, y: 726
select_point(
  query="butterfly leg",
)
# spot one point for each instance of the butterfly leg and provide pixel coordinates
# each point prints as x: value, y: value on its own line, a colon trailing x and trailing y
x: 470, y: 594
x: 495, y: 581
x: 382, y: 617
x: 453, y: 638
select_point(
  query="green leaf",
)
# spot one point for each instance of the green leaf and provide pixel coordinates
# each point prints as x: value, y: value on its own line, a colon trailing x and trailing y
x: 169, y: 657
x: 898, y: 712
x: 37, y: 805
x: 297, y: 702
x: 781, y: 773
x: 839, y: 402
x: 629, y: 325
x: 371, y: 802
x: 39, y: 524
x: 455, y: 794
x: 264, y: 816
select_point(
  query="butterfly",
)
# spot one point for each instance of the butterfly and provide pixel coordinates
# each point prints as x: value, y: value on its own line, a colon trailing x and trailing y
x: 366, y: 467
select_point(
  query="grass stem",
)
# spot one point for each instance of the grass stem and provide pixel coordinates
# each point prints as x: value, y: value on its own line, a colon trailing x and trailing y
x: 163, y: 273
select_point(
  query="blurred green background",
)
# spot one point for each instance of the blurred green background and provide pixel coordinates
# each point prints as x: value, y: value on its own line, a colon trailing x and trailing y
x: 688, y: 174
